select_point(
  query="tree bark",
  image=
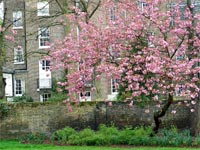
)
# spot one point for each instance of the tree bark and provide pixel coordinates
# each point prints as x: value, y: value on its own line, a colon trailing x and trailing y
x: 2, y: 84
x: 161, y: 113
x: 2, y: 81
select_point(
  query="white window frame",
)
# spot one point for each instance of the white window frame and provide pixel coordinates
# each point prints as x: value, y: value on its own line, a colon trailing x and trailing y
x: 180, y: 57
x: 83, y: 96
x: 45, y: 97
x: 114, y: 89
x: 17, y: 19
x: 18, y: 53
x: 142, y: 4
x: 45, y: 64
x: 2, y: 10
x: 41, y: 37
x: 43, y: 8
x: 19, y: 87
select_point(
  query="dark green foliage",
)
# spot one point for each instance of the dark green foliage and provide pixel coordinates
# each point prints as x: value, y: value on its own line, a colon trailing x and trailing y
x: 84, y: 137
x: 24, y: 98
x: 171, y: 137
x: 4, y: 109
x: 55, y: 97
x: 197, y: 140
x: 140, y: 136
x: 36, y: 138
x: 63, y: 135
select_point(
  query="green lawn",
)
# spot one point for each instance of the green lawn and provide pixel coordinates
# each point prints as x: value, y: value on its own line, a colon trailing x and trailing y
x: 14, y: 145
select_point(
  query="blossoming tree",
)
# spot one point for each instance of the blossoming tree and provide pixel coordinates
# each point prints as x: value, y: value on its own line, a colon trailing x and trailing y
x: 151, y: 48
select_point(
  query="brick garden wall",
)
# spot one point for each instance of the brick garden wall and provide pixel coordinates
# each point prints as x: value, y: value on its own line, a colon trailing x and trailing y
x: 49, y: 117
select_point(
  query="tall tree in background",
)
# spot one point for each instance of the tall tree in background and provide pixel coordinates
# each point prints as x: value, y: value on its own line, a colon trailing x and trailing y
x: 150, y: 50
x: 3, y: 28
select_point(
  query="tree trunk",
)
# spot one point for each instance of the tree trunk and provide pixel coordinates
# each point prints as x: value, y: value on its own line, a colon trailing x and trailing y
x: 161, y: 113
x: 2, y: 86
x: 2, y: 81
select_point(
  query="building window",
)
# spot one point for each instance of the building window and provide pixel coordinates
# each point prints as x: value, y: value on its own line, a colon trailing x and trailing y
x: 18, y: 55
x: 115, y: 54
x: 179, y: 90
x: 180, y: 57
x: 1, y: 10
x: 44, y: 37
x: 45, y: 65
x: 142, y: 5
x: 182, y: 8
x: 17, y: 20
x: 112, y: 14
x: 150, y: 39
x: 114, y: 86
x: 19, y: 87
x: 45, y: 97
x: 43, y: 8
x: 79, y: 4
x: 85, y: 96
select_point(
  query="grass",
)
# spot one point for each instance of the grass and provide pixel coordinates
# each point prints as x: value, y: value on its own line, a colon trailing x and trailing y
x: 15, y: 145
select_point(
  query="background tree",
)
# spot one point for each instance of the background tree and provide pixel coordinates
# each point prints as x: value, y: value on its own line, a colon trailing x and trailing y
x: 150, y: 48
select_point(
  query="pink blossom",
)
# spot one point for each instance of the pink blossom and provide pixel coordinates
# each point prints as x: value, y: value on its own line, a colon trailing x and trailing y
x: 147, y: 111
x: 146, y: 71
x: 131, y: 104
x: 173, y: 111
x: 109, y: 103
x: 155, y: 98
x: 192, y: 110
x: 193, y: 102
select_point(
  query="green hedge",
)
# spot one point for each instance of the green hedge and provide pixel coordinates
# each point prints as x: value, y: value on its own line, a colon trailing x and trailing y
x: 140, y: 136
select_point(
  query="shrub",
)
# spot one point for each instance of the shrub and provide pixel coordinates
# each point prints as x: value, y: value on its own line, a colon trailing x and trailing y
x: 4, y: 109
x: 141, y: 136
x: 125, y: 135
x: 24, y: 98
x: 35, y: 138
x: 197, y: 140
x: 111, y: 134
x: 84, y: 137
x: 63, y: 135
x: 55, y: 97
x: 171, y: 137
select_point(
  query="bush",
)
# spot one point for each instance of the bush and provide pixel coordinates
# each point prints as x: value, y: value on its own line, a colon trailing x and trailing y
x: 4, y: 109
x: 171, y: 137
x: 24, y: 98
x: 139, y: 136
x: 111, y: 134
x: 197, y: 140
x: 84, y: 137
x: 55, y: 97
x: 62, y: 136
x: 35, y: 138
x: 125, y: 135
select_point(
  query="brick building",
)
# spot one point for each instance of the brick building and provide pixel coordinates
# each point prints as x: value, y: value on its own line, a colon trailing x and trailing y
x: 35, y: 24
